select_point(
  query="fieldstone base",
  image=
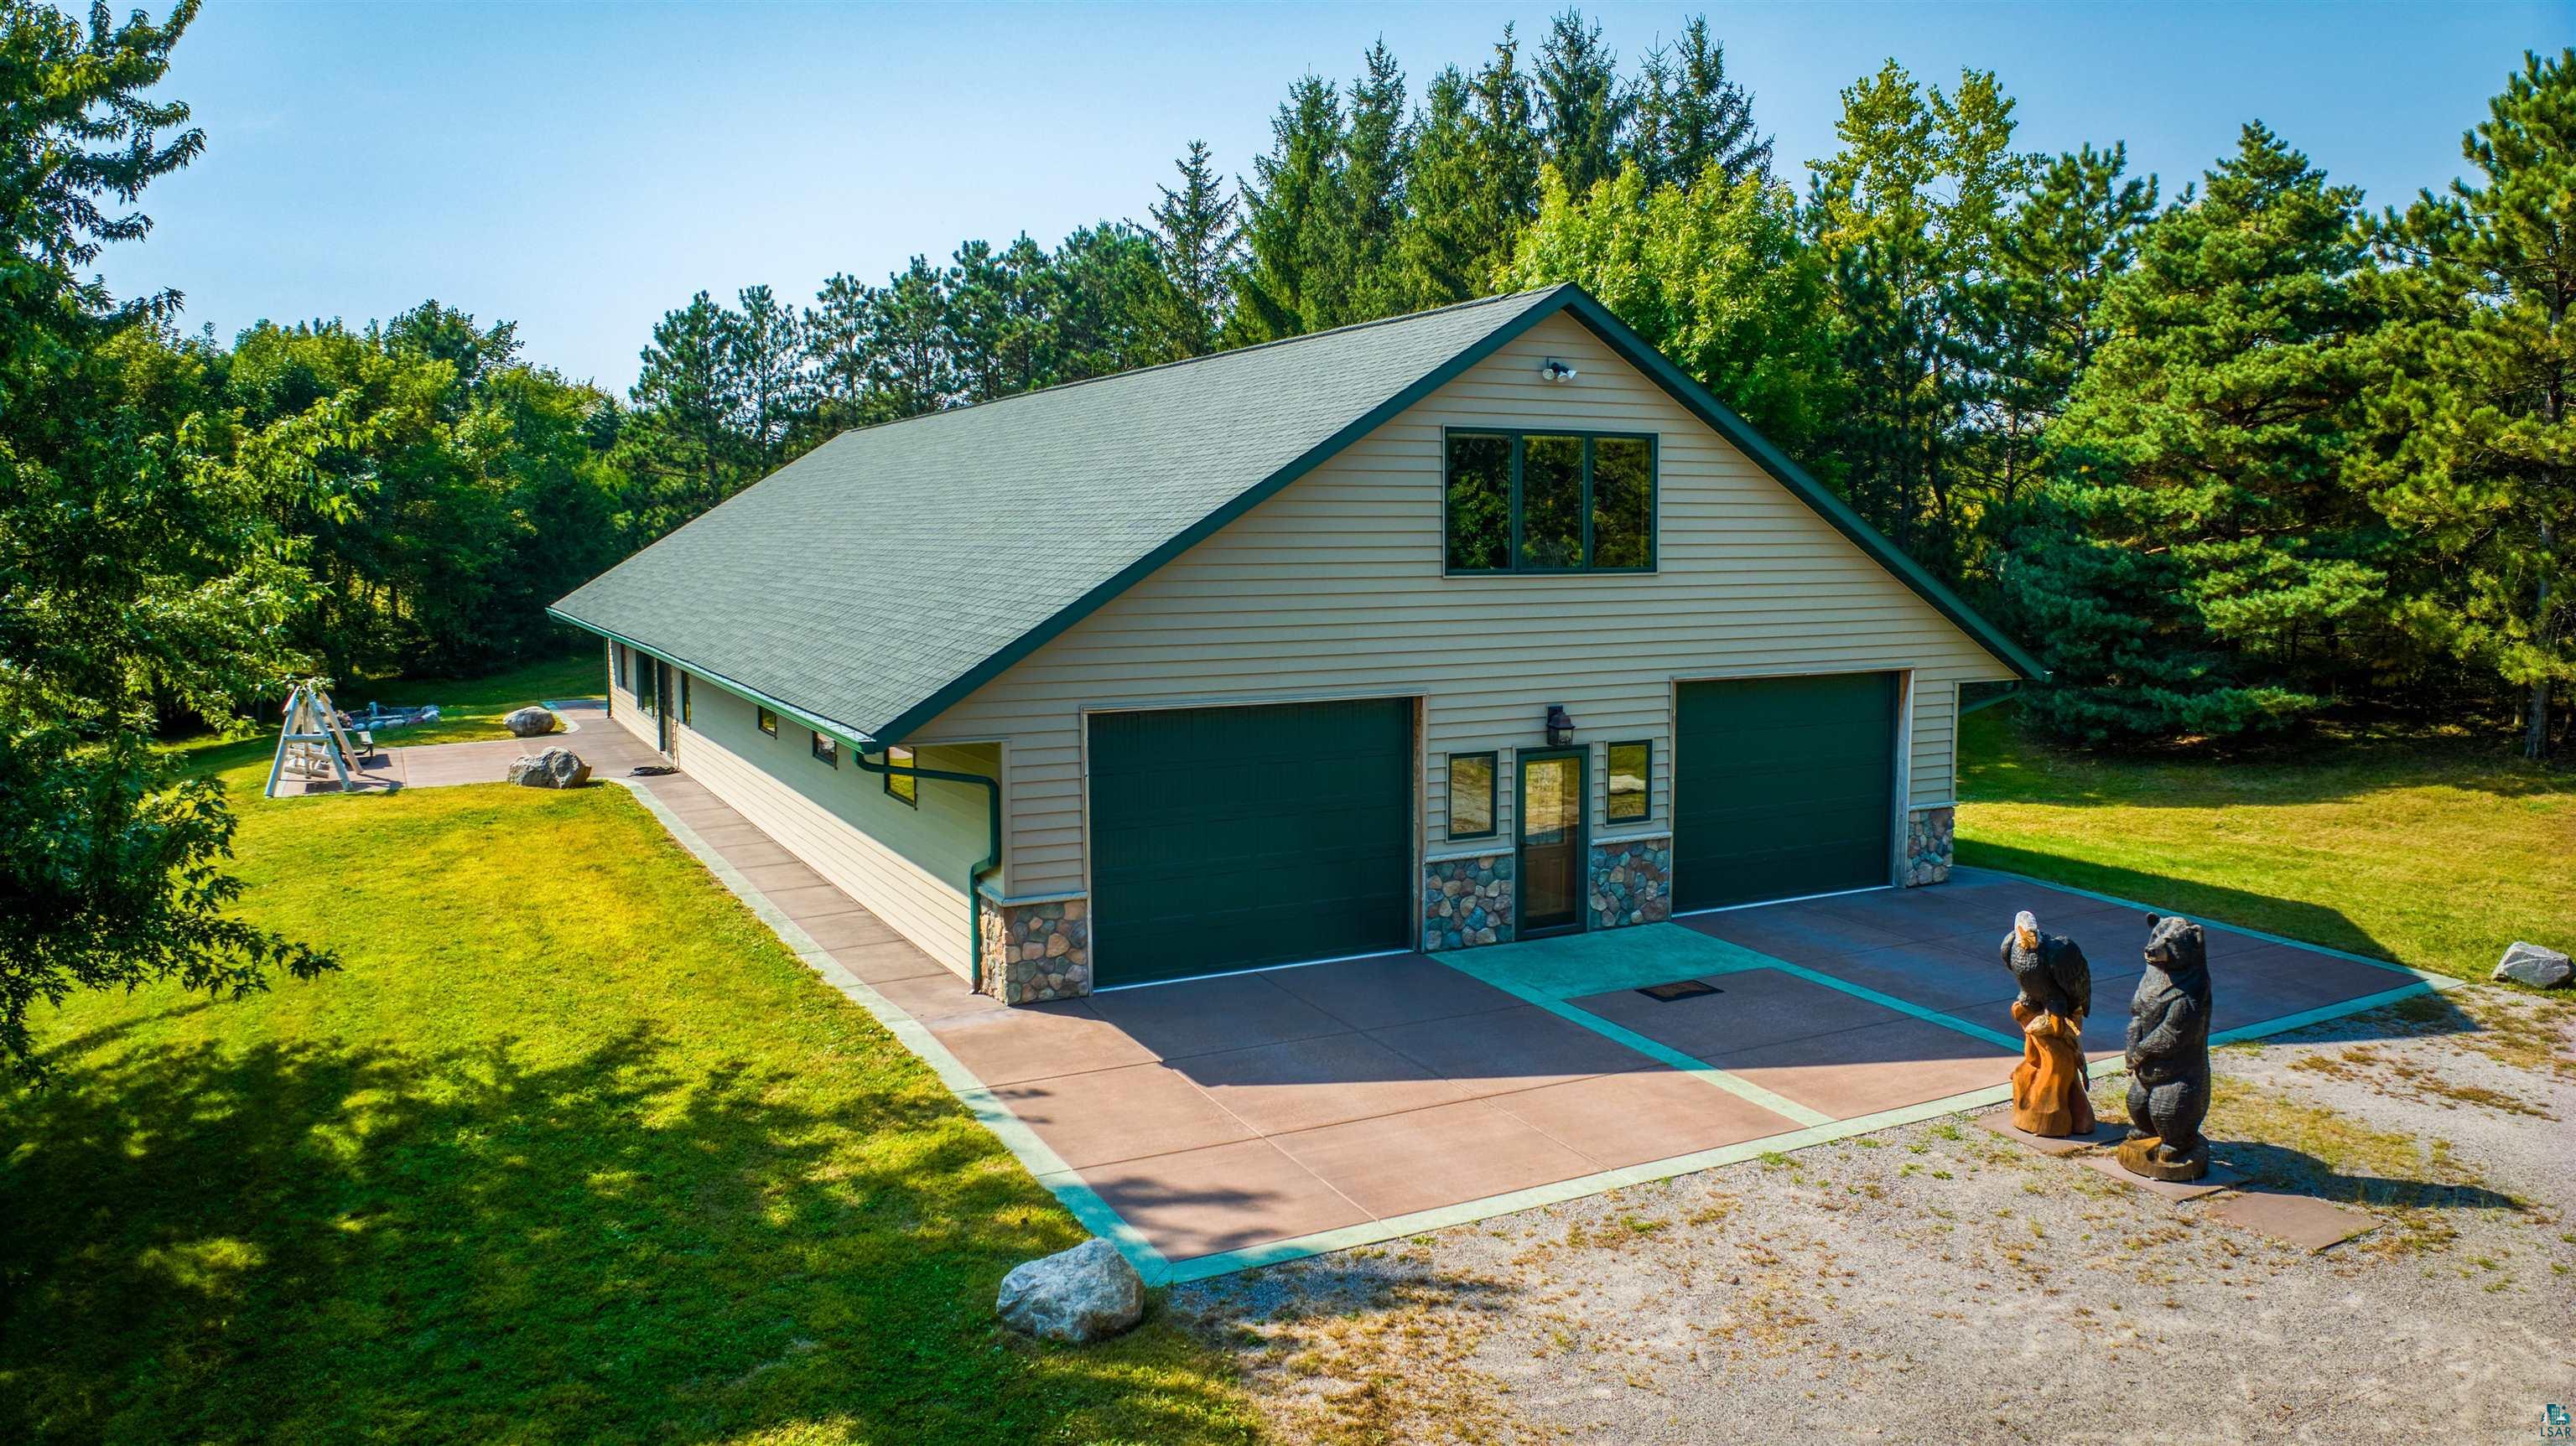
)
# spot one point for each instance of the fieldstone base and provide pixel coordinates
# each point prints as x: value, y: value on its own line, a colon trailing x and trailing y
x: 1632, y: 883
x: 1928, y: 833
x: 1036, y: 952
x: 1466, y: 902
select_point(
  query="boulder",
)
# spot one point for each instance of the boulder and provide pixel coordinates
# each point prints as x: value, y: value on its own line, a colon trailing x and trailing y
x: 530, y: 723
x: 554, y: 768
x: 1085, y: 1294
x: 2530, y: 964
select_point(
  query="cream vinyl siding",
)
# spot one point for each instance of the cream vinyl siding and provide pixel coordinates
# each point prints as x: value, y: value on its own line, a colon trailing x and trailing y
x: 1335, y: 588
x: 905, y: 865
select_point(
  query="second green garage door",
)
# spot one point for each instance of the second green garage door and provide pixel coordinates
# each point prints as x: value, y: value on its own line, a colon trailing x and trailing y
x: 1782, y: 787
x: 1232, y: 838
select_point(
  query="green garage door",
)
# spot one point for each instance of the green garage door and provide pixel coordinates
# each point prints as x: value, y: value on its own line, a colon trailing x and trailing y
x: 1231, y: 838
x: 1781, y: 787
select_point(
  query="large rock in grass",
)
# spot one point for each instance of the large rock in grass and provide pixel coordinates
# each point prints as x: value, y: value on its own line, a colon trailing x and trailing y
x: 2530, y: 964
x: 1088, y: 1293
x: 554, y: 768
x: 530, y: 722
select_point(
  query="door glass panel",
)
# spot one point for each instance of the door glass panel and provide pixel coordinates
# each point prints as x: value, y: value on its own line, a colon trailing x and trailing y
x: 1551, y: 842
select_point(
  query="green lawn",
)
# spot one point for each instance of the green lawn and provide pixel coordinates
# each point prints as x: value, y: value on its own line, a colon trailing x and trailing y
x: 573, y: 1150
x: 2435, y: 851
x: 469, y: 709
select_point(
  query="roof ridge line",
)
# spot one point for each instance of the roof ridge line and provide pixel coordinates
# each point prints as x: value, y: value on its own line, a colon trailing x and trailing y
x: 1187, y: 361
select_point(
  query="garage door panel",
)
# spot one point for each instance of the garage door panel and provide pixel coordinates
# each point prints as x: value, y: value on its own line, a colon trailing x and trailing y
x: 1782, y: 786
x: 1232, y: 838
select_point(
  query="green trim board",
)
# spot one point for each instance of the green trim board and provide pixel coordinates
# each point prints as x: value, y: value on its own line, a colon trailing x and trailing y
x: 1517, y: 315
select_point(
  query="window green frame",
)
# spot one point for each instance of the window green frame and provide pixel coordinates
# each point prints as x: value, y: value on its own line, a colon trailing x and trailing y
x: 647, y: 695
x: 684, y: 695
x: 902, y: 788
x: 1490, y: 763
x: 765, y: 720
x: 1639, y: 804
x: 1520, y: 439
x: 826, y: 748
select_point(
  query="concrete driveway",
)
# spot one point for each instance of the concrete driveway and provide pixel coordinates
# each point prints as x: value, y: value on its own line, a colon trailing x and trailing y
x: 1212, y: 1125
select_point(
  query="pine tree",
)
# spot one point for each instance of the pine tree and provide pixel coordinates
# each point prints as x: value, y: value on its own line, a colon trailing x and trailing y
x: 2199, y: 559
x: 1376, y: 147
x: 1690, y: 117
x: 2036, y: 318
x: 677, y: 450
x: 1473, y: 183
x: 1289, y: 215
x: 1195, y: 240
x: 1582, y: 102
x: 2476, y: 462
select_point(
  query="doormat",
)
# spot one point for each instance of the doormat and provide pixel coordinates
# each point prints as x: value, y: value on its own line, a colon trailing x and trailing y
x: 1679, y: 989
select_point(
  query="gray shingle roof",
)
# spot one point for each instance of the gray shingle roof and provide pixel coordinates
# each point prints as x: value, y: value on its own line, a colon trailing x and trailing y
x: 861, y: 580
x: 884, y: 575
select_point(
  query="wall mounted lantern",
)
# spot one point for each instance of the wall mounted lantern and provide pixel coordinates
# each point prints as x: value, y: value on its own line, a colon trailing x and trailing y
x: 1560, y: 726
x: 1557, y: 369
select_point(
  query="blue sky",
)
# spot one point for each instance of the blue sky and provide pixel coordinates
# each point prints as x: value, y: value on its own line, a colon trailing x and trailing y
x: 583, y: 168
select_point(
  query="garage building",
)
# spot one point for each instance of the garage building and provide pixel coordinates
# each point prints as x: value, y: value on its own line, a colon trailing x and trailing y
x: 1440, y: 632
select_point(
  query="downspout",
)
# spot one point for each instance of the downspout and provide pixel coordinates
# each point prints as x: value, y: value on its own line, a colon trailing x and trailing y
x: 992, y: 854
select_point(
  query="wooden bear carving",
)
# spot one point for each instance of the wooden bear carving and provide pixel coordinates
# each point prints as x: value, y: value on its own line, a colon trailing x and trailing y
x: 2169, y: 1056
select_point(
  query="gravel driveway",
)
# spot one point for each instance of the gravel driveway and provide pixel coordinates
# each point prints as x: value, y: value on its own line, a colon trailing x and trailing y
x: 1938, y: 1283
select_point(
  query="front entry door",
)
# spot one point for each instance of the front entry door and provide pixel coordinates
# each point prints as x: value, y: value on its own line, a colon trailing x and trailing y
x: 1551, y: 817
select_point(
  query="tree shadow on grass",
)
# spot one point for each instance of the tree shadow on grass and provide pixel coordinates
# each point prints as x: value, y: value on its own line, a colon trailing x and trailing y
x: 2290, y: 918
x: 320, y: 1241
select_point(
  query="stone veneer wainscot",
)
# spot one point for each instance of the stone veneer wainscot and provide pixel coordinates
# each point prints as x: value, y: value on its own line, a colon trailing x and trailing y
x: 1928, y: 843
x: 1466, y: 902
x: 1036, y: 952
x: 1631, y: 883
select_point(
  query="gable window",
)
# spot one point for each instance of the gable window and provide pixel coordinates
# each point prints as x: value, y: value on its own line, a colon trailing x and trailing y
x: 828, y: 749
x: 767, y: 720
x: 1471, y: 795
x: 1631, y: 770
x: 902, y: 786
x: 1550, y: 502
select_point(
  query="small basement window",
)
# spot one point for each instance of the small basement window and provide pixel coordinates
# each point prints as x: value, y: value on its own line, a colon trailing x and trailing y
x: 828, y: 749
x: 1471, y: 795
x: 767, y: 720
x: 902, y: 786
x: 1550, y: 502
x: 1631, y: 774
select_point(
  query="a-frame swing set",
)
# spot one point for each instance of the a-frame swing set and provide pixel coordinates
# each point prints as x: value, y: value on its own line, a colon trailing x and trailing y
x: 312, y: 742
